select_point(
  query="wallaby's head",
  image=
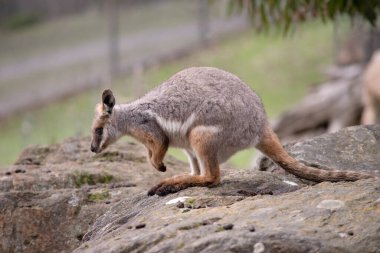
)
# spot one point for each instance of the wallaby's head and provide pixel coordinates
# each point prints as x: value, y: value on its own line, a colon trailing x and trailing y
x: 104, y: 129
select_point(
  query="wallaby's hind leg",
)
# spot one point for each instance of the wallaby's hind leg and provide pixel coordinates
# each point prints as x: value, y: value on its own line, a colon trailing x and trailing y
x: 202, y: 143
x: 193, y: 161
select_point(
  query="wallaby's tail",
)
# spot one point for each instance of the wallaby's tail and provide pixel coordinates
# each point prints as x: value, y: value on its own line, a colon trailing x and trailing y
x: 271, y: 146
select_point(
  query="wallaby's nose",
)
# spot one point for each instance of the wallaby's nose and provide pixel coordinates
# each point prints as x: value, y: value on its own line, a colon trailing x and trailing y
x: 93, y: 149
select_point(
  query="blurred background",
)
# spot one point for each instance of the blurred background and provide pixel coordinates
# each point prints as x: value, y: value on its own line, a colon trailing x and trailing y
x: 56, y: 57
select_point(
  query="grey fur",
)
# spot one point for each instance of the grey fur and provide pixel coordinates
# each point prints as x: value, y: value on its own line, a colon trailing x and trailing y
x: 207, y: 100
x: 214, y: 96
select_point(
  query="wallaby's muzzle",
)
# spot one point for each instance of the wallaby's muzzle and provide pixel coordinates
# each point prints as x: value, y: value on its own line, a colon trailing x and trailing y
x: 96, y: 146
x: 94, y: 149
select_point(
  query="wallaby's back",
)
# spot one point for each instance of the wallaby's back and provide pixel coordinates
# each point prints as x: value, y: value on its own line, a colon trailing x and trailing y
x: 209, y: 113
x: 216, y: 98
x: 211, y: 97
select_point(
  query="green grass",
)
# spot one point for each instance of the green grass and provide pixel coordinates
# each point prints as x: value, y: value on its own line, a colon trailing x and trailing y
x: 279, y: 69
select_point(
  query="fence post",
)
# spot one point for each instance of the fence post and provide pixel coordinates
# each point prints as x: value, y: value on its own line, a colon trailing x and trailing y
x: 203, y: 22
x: 113, y: 39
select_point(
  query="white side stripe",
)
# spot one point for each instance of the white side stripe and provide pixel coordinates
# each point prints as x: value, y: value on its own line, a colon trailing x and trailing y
x: 176, y: 130
x: 173, y: 127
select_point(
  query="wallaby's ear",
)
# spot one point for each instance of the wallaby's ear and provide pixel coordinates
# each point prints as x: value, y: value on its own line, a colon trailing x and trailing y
x: 108, y: 101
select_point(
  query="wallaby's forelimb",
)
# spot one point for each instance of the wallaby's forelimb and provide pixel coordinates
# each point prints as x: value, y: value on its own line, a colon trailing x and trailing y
x: 156, y: 144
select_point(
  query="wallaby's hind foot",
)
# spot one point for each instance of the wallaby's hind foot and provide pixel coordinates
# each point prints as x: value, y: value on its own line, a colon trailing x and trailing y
x: 178, y: 183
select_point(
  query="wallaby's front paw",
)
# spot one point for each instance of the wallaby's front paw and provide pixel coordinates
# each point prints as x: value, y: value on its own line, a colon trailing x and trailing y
x: 162, y: 167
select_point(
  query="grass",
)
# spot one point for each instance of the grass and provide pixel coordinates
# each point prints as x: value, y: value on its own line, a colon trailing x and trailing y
x: 279, y: 69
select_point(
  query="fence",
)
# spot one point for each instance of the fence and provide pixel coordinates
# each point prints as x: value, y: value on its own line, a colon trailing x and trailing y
x: 76, y: 50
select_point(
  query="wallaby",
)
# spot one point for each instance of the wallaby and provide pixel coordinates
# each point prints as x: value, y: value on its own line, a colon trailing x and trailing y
x: 371, y: 91
x: 209, y: 113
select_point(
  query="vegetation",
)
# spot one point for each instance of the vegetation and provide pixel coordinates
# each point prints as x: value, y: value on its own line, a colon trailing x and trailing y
x: 85, y: 178
x: 98, y: 196
x: 286, y: 13
x: 21, y: 21
x: 280, y: 70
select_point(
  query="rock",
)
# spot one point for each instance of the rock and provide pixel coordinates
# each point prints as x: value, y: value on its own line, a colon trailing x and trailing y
x: 228, y: 226
x: 354, y: 148
x: 269, y: 212
x: 328, y: 107
x: 331, y: 204
x: 58, y: 191
x: 48, y: 221
x: 142, y: 225
x: 288, y: 222
x: 258, y: 248
x: 69, y: 199
x: 180, y: 205
x: 371, y: 91
x: 72, y: 165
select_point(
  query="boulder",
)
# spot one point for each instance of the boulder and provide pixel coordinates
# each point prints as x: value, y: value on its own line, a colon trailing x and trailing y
x: 371, y: 91
x: 328, y: 217
x: 354, y: 148
x: 62, y: 198
x: 52, y: 194
x: 255, y: 211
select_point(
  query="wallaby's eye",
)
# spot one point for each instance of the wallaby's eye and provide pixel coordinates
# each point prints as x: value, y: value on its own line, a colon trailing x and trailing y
x: 99, y: 131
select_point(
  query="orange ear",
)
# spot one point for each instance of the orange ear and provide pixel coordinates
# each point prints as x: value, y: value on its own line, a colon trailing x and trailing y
x: 108, y: 101
x: 99, y: 108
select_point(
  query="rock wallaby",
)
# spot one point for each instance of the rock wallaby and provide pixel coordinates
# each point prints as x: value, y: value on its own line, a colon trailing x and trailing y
x: 371, y: 91
x: 210, y: 114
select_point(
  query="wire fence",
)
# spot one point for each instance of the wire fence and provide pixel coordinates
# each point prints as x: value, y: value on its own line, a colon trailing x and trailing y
x: 83, y: 44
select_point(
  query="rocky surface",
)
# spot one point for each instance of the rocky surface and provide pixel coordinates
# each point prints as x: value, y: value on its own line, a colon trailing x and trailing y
x: 52, y: 194
x: 254, y: 211
x: 63, y: 198
x: 328, y: 107
x: 342, y: 217
x: 352, y: 148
